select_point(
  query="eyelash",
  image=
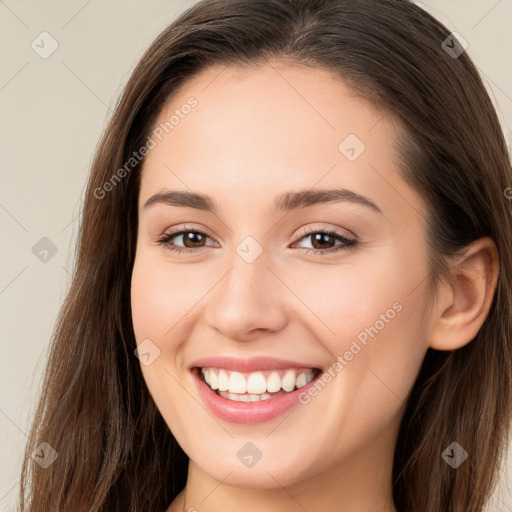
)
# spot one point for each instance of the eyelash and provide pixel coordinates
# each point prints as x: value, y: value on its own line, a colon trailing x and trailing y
x: 348, y: 243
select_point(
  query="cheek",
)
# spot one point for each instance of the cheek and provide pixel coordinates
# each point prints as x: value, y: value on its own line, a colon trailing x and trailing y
x: 364, y: 297
x: 370, y: 317
x: 375, y: 362
x: 159, y: 314
x: 162, y: 298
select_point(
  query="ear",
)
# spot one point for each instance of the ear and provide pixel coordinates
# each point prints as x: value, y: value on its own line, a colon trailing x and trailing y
x: 464, y: 300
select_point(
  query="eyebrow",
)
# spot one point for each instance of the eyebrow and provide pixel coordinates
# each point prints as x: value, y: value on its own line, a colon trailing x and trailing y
x: 289, y: 201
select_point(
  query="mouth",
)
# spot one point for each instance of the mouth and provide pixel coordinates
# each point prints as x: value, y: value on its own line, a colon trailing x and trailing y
x: 255, y: 386
x: 254, y: 391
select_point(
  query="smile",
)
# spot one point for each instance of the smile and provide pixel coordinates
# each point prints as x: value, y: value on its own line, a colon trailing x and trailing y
x: 256, y: 386
x: 254, y: 390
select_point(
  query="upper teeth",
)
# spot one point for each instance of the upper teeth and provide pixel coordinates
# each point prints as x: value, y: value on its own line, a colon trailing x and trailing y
x: 257, y: 382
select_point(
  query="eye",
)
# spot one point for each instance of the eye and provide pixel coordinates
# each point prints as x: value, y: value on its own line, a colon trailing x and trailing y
x: 322, y: 241
x: 193, y: 240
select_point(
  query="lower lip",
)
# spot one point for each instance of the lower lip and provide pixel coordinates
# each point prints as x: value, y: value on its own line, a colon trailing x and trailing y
x: 248, y: 412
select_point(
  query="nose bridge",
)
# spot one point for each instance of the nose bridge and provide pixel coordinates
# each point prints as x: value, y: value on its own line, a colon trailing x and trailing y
x: 249, y: 296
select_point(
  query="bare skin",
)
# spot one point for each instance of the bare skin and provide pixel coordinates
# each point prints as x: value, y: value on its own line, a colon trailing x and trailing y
x: 255, y: 135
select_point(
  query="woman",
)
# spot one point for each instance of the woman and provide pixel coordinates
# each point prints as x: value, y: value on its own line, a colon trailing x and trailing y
x: 293, y: 283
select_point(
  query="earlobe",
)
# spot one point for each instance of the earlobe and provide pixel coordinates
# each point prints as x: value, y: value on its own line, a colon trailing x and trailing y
x: 465, y: 299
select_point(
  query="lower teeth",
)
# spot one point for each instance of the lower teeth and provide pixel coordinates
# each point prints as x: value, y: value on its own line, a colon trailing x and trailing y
x: 248, y: 397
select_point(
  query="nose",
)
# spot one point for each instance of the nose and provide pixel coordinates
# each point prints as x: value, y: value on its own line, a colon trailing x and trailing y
x: 247, y: 301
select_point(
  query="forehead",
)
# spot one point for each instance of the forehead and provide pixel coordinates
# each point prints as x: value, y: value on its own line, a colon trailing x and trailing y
x: 277, y: 93
x: 274, y: 126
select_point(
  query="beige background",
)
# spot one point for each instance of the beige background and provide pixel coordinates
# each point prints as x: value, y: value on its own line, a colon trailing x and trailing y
x: 53, y: 111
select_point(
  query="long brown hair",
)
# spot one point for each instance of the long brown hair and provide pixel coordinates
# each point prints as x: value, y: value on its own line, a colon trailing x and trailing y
x: 115, y: 452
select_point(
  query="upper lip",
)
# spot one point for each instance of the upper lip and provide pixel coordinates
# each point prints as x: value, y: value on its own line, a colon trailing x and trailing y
x: 252, y: 364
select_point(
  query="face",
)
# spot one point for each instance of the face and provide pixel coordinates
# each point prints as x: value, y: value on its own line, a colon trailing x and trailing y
x: 305, y: 310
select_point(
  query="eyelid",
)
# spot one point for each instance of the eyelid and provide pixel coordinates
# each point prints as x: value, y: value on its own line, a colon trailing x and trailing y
x: 185, y: 228
x: 309, y: 230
